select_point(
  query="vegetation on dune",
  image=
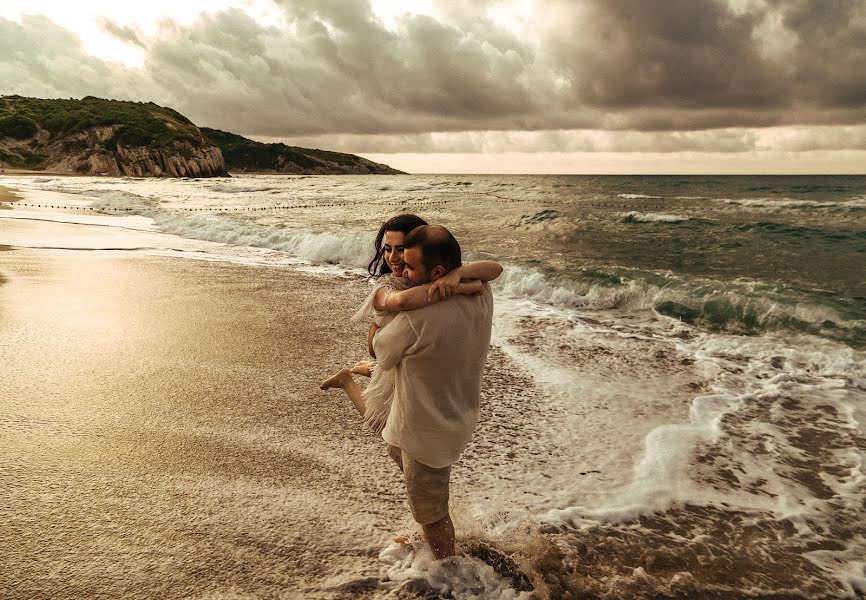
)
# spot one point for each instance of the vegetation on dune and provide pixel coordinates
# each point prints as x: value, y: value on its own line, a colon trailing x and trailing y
x: 29, y: 160
x: 244, y: 154
x: 17, y: 126
x: 248, y: 155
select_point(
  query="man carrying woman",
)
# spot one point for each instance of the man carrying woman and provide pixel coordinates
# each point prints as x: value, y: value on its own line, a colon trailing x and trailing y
x: 431, y: 356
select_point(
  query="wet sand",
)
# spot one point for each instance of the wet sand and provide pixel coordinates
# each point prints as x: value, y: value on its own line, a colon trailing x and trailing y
x: 163, y: 434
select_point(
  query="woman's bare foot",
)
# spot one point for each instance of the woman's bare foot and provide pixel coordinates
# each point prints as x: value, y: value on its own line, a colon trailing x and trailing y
x: 365, y: 368
x: 338, y: 379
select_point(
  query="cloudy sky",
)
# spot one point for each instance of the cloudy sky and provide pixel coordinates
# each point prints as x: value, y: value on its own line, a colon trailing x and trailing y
x: 558, y: 86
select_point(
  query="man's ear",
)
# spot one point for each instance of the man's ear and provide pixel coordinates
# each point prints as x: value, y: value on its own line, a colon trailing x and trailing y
x: 437, y: 272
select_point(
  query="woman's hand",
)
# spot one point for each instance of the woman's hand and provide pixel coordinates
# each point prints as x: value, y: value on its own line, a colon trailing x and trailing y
x: 445, y: 285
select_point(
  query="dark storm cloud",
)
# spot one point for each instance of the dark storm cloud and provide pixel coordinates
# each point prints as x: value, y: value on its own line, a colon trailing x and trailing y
x: 331, y: 67
x: 124, y: 34
x: 831, y: 50
x: 692, y: 54
x: 699, y: 63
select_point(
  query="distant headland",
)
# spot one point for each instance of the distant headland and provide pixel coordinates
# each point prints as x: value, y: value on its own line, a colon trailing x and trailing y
x: 95, y: 136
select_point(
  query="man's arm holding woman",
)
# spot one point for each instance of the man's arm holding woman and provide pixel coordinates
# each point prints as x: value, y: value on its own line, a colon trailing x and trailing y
x: 462, y: 280
x: 429, y: 293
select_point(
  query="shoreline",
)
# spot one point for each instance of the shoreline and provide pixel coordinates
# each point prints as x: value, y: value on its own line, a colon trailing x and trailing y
x: 169, y: 414
x: 164, y: 406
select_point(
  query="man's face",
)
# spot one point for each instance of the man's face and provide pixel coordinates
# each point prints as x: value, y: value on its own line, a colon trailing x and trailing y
x: 414, y: 269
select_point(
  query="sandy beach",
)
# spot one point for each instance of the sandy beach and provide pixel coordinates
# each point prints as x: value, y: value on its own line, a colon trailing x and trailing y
x: 161, y: 417
x: 163, y: 432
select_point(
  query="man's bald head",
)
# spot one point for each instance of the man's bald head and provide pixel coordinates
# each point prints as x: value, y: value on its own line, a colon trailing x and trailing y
x: 438, y: 247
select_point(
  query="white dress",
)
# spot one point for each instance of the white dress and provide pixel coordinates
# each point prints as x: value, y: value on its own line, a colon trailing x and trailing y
x: 380, y: 391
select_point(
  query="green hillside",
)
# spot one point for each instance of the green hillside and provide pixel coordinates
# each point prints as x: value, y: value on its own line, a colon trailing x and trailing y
x: 243, y: 154
x: 118, y: 137
x: 137, y: 123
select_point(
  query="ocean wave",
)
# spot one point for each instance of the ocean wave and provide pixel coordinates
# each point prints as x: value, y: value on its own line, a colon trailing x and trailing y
x: 736, y: 307
x: 636, y: 217
x: 852, y: 204
x: 349, y: 250
x: 352, y: 250
x: 784, y: 229
x: 227, y: 188
x: 542, y: 216
x: 777, y: 202
x: 114, y: 199
x: 638, y: 197
x: 529, y: 284
x: 736, y: 312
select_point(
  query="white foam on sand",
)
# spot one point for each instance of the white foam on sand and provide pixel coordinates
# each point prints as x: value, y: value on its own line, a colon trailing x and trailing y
x: 777, y: 436
x: 461, y: 577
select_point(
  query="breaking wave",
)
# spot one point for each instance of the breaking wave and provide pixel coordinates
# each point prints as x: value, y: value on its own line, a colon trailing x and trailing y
x: 636, y: 217
x: 351, y: 250
x: 853, y: 204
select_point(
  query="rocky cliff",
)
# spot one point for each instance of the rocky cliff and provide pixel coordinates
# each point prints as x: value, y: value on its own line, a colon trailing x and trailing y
x: 104, y: 137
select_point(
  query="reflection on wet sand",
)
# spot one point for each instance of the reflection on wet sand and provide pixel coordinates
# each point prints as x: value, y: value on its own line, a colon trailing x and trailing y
x: 161, y: 436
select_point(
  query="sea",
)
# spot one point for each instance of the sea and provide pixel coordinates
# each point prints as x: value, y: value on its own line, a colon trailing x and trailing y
x: 690, y: 419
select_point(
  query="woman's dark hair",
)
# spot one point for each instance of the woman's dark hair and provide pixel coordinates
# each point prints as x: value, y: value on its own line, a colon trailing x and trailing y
x: 402, y: 223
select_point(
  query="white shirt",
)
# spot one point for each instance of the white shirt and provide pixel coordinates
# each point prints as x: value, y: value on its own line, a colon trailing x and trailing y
x: 438, y: 353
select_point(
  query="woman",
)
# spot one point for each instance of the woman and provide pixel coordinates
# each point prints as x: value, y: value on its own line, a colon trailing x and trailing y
x: 392, y: 294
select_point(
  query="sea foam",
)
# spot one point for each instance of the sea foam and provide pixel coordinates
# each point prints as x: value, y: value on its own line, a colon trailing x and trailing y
x: 346, y: 249
x: 636, y: 217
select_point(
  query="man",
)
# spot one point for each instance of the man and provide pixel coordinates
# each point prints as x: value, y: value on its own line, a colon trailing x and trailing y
x: 439, y: 354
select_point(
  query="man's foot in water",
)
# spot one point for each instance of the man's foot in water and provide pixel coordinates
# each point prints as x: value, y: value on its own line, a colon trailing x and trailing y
x: 337, y: 380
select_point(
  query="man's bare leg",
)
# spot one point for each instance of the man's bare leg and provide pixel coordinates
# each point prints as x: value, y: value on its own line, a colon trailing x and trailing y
x: 343, y: 379
x: 440, y: 536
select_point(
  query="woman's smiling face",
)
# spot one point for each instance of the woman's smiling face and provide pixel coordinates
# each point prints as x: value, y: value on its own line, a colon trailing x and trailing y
x: 393, y: 245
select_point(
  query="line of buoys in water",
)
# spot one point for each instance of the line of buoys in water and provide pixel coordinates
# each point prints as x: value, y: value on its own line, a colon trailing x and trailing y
x: 336, y: 204
x: 221, y: 210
